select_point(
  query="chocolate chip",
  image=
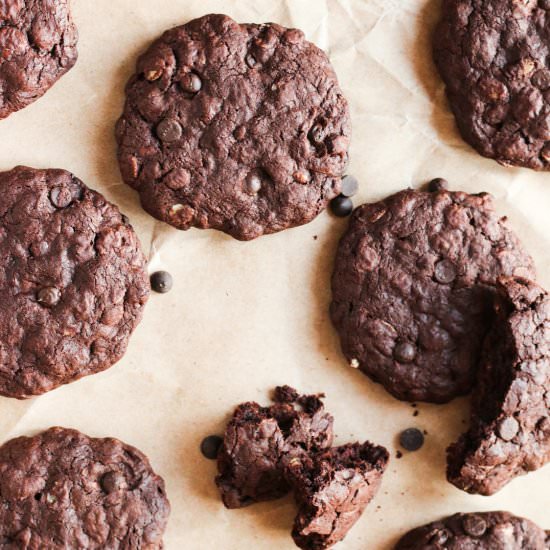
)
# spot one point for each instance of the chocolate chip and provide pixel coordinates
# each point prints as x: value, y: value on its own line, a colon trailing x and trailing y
x: 445, y: 272
x: 341, y: 206
x: 404, y: 352
x: 250, y: 60
x: 439, y: 536
x: 508, y: 428
x: 169, y: 130
x: 474, y: 525
x: 253, y: 184
x: 49, y: 296
x: 438, y: 184
x: 411, y: 439
x: 317, y: 133
x: 191, y: 83
x: 161, y: 282
x: 210, y: 446
x: 111, y: 482
x: 61, y: 197
x: 350, y: 186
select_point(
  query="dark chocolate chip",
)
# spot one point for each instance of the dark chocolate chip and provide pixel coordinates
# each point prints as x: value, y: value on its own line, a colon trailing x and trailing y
x: 350, y: 186
x: 191, y: 83
x: 438, y: 184
x: 341, y: 206
x: 508, y: 428
x: 411, y: 439
x: 61, y: 197
x: 474, y: 525
x: 253, y: 184
x: 112, y: 482
x: 404, y: 352
x: 169, y: 130
x: 49, y: 296
x: 440, y: 536
x: 445, y: 272
x: 317, y: 133
x: 161, y: 282
x: 210, y: 446
x: 250, y: 60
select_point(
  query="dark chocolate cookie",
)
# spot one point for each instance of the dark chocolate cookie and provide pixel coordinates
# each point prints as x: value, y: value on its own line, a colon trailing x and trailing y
x: 413, y: 286
x: 72, y: 285
x: 241, y: 128
x: 62, y: 489
x: 479, y: 531
x: 493, y: 56
x: 332, y: 489
x: 510, y: 428
x: 260, y: 440
x: 37, y: 47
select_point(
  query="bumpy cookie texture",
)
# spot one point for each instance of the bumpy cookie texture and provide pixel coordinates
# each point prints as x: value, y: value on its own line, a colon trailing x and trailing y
x: 510, y: 427
x: 259, y: 440
x: 493, y: 57
x: 37, y: 47
x: 73, y: 281
x: 241, y: 128
x: 480, y: 531
x: 412, y: 289
x: 332, y: 489
x: 62, y: 489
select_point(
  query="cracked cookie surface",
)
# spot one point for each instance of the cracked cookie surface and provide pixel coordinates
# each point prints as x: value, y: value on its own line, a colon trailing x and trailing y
x: 37, y: 47
x: 412, y: 289
x: 62, y: 489
x: 240, y: 128
x: 73, y: 282
x: 493, y: 56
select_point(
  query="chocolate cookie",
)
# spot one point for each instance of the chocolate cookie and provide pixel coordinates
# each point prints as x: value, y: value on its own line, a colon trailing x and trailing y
x: 332, y: 489
x: 413, y: 286
x: 62, y: 489
x: 493, y: 56
x: 240, y: 128
x: 510, y: 427
x: 260, y: 440
x: 482, y: 531
x: 37, y: 47
x: 73, y: 282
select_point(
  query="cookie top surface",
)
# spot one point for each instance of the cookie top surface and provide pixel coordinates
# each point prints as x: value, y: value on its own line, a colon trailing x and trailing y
x: 73, y: 283
x: 62, y: 489
x: 510, y: 427
x: 240, y: 128
x: 413, y: 286
x: 493, y: 56
x: 479, y: 531
x: 37, y: 47
x: 259, y: 441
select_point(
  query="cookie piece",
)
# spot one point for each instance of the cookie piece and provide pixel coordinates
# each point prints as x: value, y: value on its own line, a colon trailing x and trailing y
x: 73, y: 283
x: 37, y: 47
x: 259, y: 440
x: 493, y: 58
x: 413, y: 286
x: 510, y: 427
x: 240, y: 128
x: 332, y: 489
x: 62, y: 489
x: 482, y: 531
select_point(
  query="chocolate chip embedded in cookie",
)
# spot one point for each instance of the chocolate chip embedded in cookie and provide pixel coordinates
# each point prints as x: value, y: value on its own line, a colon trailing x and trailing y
x: 73, y: 282
x: 493, y: 57
x: 510, y: 430
x: 240, y: 128
x: 37, y: 47
x: 482, y: 531
x: 412, y: 289
x: 62, y: 489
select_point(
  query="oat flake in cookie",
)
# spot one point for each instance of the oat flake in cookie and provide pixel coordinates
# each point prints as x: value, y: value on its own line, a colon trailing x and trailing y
x: 62, y: 489
x: 72, y: 283
x: 412, y: 289
x: 479, y: 531
x: 240, y: 128
x: 493, y: 56
x: 510, y: 431
x: 37, y: 47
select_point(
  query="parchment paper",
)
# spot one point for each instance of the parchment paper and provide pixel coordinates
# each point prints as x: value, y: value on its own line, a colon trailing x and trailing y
x: 243, y: 317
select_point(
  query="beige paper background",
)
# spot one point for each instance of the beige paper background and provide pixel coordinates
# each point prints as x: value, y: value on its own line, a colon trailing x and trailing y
x: 243, y: 317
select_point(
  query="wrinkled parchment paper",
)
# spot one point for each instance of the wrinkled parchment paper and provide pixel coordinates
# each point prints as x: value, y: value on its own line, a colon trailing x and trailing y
x: 243, y: 317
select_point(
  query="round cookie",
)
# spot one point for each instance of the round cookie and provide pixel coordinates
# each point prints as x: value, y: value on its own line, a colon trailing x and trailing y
x: 37, y: 47
x: 240, y: 128
x: 413, y: 285
x: 493, y: 56
x: 63, y: 489
x: 73, y: 282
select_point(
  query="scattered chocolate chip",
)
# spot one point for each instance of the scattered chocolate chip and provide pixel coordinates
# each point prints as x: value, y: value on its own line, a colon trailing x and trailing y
x: 474, y: 525
x: 253, y: 184
x: 404, y: 352
x: 210, y: 446
x: 438, y: 184
x: 169, y: 130
x: 61, y: 197
x: 250, y: 60
x: 111, y: 482
x: 49, y: 296
x: 350, y: 186
x: 445, y: 272
x: 508, y: 428
x: 411, y: 439
x: 341, y: 206
x: 161, y: 282
x: 191, y: 83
